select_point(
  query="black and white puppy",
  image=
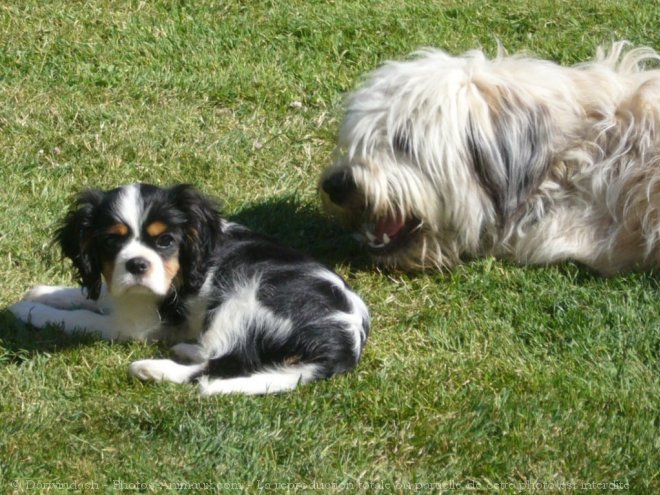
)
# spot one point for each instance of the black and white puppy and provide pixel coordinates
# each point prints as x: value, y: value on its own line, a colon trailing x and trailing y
x: 265, y: 317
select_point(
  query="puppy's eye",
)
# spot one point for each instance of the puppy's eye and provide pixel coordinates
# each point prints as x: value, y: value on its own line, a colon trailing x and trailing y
x: 112, y: 238
x: 165, y: 241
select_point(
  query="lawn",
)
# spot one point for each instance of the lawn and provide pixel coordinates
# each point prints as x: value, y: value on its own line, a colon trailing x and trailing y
x: 490, y: 378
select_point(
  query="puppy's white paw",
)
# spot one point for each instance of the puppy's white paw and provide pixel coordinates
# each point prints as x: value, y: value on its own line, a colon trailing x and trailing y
x: 33, y: 313
x: 22, y: 310
x: 158, y: 370
x: 60, y: 297
x: 70, y: 321
x: 40, y: 293
x: 147, y: 370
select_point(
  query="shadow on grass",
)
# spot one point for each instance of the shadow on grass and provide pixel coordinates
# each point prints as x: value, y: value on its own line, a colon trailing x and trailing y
x: 583, y: 276
x: 300, y: 225
x: 19, y: 341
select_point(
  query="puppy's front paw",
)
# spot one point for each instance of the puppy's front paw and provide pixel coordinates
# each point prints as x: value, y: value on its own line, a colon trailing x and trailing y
x: 40, y: 293
x: 31, y: 313
x: 59, y: 297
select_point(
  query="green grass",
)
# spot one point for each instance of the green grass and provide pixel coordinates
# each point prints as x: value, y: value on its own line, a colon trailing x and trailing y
x: 493, y: 377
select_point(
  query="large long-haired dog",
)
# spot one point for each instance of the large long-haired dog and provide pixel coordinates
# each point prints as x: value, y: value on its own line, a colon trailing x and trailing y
x: 442, y: 158
x: 162, y: 263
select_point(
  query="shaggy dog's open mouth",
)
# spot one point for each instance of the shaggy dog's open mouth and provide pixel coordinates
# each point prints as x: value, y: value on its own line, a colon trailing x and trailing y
x: 385, y: 236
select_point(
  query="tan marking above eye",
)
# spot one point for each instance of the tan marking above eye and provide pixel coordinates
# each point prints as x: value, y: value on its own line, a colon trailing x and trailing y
x: 118, y: 229
x: 156, y: 228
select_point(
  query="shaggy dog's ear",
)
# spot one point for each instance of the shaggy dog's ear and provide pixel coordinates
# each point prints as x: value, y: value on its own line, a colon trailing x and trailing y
x: 75, y: 237
x: 203, y: 232
x: 509, y: 140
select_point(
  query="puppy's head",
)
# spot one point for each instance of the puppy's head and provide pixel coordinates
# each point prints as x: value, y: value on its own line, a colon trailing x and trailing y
x: 140, y: 239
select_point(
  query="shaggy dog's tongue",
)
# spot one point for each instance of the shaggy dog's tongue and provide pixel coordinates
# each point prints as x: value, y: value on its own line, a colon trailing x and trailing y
x: 391, y: 227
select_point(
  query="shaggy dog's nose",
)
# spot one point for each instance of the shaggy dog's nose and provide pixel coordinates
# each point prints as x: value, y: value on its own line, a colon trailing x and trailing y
x: 137, y: 266
x: 339, y: 187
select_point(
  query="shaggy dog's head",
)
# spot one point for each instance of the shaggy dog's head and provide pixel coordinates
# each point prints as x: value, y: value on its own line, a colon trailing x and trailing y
x: 437, y: 156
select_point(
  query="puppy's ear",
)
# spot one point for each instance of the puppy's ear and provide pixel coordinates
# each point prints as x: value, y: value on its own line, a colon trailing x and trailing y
x: 75, y: 236
x: 509, y: 139
x: 203, y: 233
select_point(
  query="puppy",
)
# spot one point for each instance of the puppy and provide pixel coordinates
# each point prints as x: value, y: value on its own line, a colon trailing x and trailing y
x: 442, y: 158
x: 265, y: 317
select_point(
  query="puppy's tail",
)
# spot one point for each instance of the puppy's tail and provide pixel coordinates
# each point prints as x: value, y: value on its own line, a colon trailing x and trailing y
x: 268, y: 381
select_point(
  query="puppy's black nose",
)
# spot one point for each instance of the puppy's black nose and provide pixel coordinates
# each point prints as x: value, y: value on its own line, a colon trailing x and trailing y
x: 137, y: 266
x: 339, y: 187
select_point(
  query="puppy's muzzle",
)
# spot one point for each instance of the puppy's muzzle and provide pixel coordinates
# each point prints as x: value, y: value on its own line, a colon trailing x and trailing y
x: 340, y: 187
x: 137, y: 266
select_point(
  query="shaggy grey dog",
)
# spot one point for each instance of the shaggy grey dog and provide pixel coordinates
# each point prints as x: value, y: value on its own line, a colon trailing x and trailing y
x: 441, y: 158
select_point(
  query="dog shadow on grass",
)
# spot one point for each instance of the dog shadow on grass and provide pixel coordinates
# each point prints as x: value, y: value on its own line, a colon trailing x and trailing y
x: 302, y: 226
x: 21, y: 342
x: 285, y: 219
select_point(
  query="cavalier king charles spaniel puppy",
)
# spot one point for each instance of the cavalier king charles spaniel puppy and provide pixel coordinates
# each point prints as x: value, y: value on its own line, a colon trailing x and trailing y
x: 264, y: 317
